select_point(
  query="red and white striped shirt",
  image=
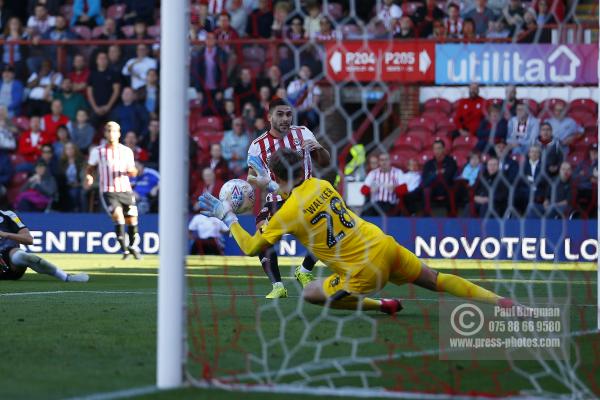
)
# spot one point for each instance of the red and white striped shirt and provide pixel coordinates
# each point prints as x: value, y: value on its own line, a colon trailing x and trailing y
x: 384, y: 184
x: 266, y: 144
x: 114, y: 163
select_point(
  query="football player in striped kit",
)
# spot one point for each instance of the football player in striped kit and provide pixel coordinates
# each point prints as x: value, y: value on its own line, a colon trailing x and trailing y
x: 115, y: 164
x: 282, y: 134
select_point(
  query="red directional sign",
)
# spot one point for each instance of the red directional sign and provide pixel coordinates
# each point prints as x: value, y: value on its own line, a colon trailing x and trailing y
x: 392, y: 61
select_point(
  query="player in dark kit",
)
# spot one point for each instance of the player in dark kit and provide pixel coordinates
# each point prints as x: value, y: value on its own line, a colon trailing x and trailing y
x: 14, y: 261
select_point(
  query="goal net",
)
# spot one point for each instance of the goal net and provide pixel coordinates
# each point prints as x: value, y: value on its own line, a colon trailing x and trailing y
x: 491, y: 117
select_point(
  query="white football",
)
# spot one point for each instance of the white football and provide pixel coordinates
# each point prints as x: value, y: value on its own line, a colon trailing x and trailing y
x: 239, y: 193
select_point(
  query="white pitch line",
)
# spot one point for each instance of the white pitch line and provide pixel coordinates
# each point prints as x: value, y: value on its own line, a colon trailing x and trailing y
x: 118, y: 394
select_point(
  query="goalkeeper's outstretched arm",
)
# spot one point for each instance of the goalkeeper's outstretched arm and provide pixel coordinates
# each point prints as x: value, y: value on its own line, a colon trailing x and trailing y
x: 250, y: 245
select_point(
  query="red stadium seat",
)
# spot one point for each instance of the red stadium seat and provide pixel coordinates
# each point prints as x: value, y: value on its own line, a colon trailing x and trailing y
x: 461, y: 159
x: 576, y: 158
x: 465, y: 143
x: 438, y: 104
x: 154, y: 31
x: 439, y: 117
x: 408, y: 142
x: 11, y: 195
x: 582, y: 117
x: 18, y: 179
x: 400, y: 157
x: 548, y: 104
x: 425, y: 156
x: 447, y: 125
x: 209, y: 124
x: 127, y: 30
x: 420, y: 122
x: 584, y: 104
x: 116, y: 11
x: 421, y: 133
x: 82, y: 31
x: 591, y: 130
x: 493, y: 101
x: 22, y: 123
x: 583, y: 144
x: 534, y: 107
x: 16, y: 159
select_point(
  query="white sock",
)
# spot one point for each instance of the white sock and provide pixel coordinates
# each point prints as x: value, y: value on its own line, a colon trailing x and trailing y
x: 60, y: 274
x: 277, y: 285
x: 304, y: 270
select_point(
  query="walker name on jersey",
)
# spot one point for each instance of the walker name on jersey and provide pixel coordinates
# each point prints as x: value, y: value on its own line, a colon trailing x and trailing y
x: 318, y: 201
x: 86, y: 242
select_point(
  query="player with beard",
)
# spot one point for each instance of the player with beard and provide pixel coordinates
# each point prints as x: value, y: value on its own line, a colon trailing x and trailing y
x: 301, y: 140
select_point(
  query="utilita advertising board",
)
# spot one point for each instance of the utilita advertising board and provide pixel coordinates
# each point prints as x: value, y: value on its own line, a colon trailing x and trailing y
x: 520, y: 64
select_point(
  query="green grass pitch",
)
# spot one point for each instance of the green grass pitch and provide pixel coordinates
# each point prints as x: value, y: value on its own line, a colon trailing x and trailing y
x: 64, y: 340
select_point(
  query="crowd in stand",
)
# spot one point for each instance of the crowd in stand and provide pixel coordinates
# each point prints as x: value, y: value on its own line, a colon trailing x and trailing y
x: 55, y: 99
x: 499, y: 158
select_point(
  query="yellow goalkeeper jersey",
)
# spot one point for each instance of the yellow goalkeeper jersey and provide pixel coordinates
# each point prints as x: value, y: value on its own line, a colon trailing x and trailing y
x: 316, y: 214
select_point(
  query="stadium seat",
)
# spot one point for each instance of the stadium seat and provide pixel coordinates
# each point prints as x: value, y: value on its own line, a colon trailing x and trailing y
x: 154, y: 31
x: 464, y: 143
x: 21, y: 122
x: 583, y: 144
x: 438, y: 104
x: 582, y: 117
x: 495, y: 101
x: 408, y: 142
x: 127, y: 30
x: 18, y: 180
x: 534, y: 107
x: 429, y: 142
x: 461, y: 159
x: 116, y: 11
x: 335, y: 11
x: 576, y: 158
x: 82, y: 31
x: 584, y: 104
x: 591, y: 129
x: 400, y: 157
x: 420, y: 133
x: 11, y: 194
x: 425, y: 156
x: 209, y: 124
x: 436, y: 116
x: 420, y: 122
x: 548, y: 104
x: 447, y: 125
x: 16, y: 159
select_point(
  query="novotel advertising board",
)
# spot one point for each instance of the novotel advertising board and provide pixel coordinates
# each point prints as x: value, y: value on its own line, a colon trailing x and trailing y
x: 428, y: 237
x: 376, y: 60
x: 524, y: 64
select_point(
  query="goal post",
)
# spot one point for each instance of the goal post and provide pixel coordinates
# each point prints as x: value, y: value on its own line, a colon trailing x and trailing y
x: 173, y: 194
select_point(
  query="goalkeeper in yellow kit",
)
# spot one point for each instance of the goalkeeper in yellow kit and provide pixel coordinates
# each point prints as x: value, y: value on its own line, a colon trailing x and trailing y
x: 361, y: 255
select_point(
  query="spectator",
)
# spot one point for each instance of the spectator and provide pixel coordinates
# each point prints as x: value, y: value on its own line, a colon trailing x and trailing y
x: 235, y: 145
x: 545, y: 18
x: 552, y: 154
x: 206, y: 235
x: 70, y: 100
x: 110, y: 31
x: 529, y: 32
x: 152, y: 145
x: 295, y: 30
x: 217, y: 163
x: 509, y: 106
x: 148, y: 94
x: 53, y: 6
x: 273, y: 79
x: 56, y: 118
x: 586, y: 176
x: 80, y: 74
x: 138, y: 11
x: 5, y: 14
x: 405, y: 29
x: 491, y: 129
x: 103, y: 89
x: 131, y: 141
x: 226, y: 33
x: 38, y: 192
x: 7, y: 131
x: 312, y: 22
x: 287, y: 63
x: 438, y: 178
x: 513, y: 14
x: 558, y: 196
x: 453, y: 22
x: 11, y: 92
x: 71, y: 169
x: 372, y: 162
x: 471, y: 169
x: 131, y: 115
x: 145, y: 188
x: 62, y: 134
x: 530, y: 186
x: 81, y: 131
x: 31, y: 142
x: 509, y: 168
x: 41, y: 85
x: 383, y: 187
x: 60, y: 31
x: 204, y: 24
x: 210, y: 183
x: 6, y: 174
x: 50, y: 159
x: 523, y: 129
x: 40, y: 22
x: 565, y: 128
x: 469, y: 112
x: 229, y: 113
x: 491, y: 192
x: 389, y: 14
x: 249, y: 114
x: 239, y: 16
x: 245, y: 90
x: 438, y: 31
x: 14, y: 53
x: 209, y: 67
x: 497, y: 29
x: 327, y: 31
x: 115, y: 61
x: 481, y: 16
x: 260, y: 127
x: 87, y: 13
x: 468, y: 32
x: 264, y: 98
x: 137, y: 68
x: 304, y: 96
x: 412, y: 178
x: 281, y: 11
x: 425, y: 15
x: 260, y: 21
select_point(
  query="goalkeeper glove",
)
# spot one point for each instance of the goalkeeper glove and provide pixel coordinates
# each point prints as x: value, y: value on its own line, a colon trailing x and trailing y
x: 214, y: 207
x: 263, y: 179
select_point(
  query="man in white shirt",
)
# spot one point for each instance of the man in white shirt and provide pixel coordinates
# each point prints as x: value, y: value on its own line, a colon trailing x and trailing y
x: 206, y: 235
x: 304, y: 96
x: 565, y: 129
x: 523, y: 129
x: 383, y: 187
x: 40, y: 22
x: 389, y: 14
x: 138, y: 67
